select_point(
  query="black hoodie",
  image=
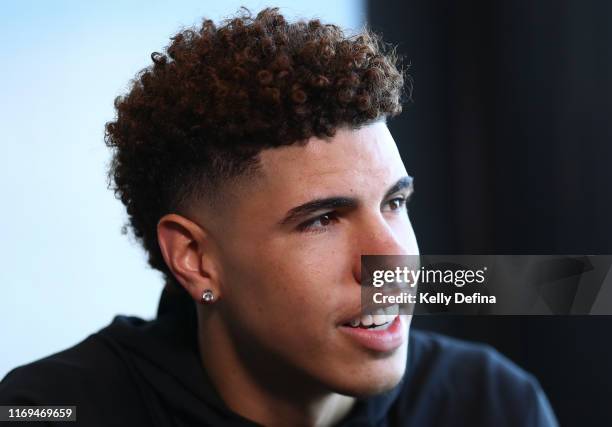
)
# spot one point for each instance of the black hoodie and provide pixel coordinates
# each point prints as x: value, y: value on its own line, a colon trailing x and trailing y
x: 148, y: 373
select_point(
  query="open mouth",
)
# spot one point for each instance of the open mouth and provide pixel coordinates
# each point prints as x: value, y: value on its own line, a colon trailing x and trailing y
x: 381, y: 319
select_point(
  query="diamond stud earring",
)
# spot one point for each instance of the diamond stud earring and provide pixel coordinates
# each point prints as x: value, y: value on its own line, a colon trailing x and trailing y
x: 208, y: 296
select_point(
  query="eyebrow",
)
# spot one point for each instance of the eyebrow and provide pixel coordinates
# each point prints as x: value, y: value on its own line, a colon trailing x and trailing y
x: 402, y: 184
x: 339, y: 202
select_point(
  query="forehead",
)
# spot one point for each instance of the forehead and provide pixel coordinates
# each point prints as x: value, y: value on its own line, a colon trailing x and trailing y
x: 364, y: 157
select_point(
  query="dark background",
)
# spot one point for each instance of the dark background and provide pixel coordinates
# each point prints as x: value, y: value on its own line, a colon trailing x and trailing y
x: 509, y: 138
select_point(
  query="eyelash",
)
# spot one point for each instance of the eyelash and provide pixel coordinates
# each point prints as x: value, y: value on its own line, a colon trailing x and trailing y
x: 309, y: 226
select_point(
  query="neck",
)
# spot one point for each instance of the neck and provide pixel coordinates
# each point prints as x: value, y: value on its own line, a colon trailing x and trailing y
x: 262, y: 390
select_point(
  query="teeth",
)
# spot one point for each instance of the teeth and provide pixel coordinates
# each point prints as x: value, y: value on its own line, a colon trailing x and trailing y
x: 380, y: 319
x: 381, y: 327
x: 367, y: 320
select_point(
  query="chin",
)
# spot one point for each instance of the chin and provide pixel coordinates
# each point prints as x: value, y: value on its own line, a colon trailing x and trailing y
x: 374, y: 376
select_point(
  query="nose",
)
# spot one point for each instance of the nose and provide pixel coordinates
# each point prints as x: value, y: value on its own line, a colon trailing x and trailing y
x: 376, y: 236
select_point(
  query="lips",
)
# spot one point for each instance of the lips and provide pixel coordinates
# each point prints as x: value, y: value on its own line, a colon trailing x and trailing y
x: 385, y: 339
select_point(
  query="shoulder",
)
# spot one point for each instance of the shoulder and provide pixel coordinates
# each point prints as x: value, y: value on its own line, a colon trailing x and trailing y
x: 456, y: 359
x: 471, y: 382
x: 75, y: 368
x: 90, y: 375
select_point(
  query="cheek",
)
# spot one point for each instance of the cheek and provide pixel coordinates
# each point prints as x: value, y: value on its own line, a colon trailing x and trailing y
x: 286, y: 287
x: 413, y: 246
x: 402, y: 227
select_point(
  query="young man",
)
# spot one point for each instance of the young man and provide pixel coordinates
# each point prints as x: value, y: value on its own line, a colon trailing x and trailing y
x: 256, y: 167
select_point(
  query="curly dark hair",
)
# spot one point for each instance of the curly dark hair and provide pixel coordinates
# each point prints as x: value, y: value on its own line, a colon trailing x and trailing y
x: 203, y: 111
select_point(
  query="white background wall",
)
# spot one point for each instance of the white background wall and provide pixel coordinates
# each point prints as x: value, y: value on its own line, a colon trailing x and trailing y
x: 65, y: 267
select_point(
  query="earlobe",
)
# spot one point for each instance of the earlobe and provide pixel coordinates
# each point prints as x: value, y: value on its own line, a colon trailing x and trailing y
x: 183, y: 246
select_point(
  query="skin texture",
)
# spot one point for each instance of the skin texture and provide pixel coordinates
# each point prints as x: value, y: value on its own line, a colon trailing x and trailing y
x: 283, y: 288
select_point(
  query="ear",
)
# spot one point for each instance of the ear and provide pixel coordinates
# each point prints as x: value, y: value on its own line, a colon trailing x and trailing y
x: 188, y: 253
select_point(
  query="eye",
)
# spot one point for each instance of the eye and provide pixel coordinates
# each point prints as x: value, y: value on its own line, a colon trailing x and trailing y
x: 396, y: 203
x: 319, y: 223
